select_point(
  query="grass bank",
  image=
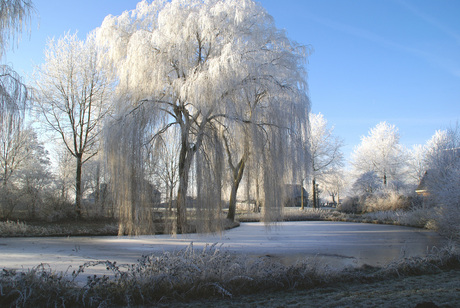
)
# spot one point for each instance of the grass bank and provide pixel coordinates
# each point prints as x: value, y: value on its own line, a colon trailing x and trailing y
x: 417, y: 218
x: 212, y: 274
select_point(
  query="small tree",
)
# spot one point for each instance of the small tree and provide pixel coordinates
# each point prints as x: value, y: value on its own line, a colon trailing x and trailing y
x: 24, y: 163
x: 334, y: 184
x: 73, y: 96
x: 367, y: 184
x: 33, y: 175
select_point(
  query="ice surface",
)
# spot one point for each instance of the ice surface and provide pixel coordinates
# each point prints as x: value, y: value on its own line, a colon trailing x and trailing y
x: 334, y: 243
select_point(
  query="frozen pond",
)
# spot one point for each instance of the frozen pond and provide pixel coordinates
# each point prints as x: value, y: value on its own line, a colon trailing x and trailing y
x: 335, y: 243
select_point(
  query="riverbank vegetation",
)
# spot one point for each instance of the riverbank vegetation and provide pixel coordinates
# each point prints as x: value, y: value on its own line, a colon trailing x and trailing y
x: 189, y: 275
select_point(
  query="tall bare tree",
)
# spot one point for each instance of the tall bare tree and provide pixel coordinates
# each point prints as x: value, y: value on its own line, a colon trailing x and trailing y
x: 73, y: 96
x: 326, y: 155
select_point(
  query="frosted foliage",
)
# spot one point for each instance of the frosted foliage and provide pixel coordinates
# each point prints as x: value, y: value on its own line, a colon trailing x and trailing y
x: 15, y: 149
x: 14, y: 17
x: 125, y: 152
x: 417, y: 164
x: 380, y: 152
x: 13, y: 98
x: 73, y: 92
x: 367, y: 184
x: 212, y: 68
x: 443, y: 164
x: 326, y: 155
x: 209, y: 205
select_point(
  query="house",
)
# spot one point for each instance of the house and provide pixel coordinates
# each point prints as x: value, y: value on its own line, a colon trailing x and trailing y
x: 294, y: 195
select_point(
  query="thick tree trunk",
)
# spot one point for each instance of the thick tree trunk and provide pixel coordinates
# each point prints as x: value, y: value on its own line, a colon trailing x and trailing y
x: 181, y: 204
x: 78, y: 191
x: 237, y: 176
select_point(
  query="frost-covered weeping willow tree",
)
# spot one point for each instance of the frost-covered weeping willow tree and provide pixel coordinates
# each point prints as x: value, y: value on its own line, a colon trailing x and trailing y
x: 213, y: 69
x: 15, y: 17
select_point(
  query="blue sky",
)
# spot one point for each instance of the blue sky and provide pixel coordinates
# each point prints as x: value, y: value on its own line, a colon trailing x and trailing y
x: 371, y: 61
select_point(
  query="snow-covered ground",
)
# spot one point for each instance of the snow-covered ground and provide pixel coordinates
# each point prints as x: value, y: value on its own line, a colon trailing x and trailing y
x: 334, y: 243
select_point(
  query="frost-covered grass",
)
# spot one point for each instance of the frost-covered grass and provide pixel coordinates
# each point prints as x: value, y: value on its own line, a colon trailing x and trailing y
x: 296, y: 214
x: 17, y: 228
x: 418, y: 217
x: 192, y: 274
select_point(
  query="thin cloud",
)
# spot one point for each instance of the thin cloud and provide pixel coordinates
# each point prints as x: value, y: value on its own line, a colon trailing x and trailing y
x: 431, y: 20
x: 442, y: 62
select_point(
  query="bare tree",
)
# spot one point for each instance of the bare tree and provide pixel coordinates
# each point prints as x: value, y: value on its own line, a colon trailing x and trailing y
x: 326, y: 156
x: 73, y: 98
x: 334, y: 184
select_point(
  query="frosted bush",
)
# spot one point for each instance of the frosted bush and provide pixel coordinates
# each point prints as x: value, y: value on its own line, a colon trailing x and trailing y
x: 377, y: 202
x: 415, y: 217
x: 448, y: 221
x: 386, y: 201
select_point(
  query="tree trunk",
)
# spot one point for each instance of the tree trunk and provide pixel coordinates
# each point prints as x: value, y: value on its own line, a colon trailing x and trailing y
x: 187, y: 151
x: 181, y: 203
x: 78, y: 192
x: 97, y: 197
x: 314, y: 193
x: 302, y: 205
x: 185, y: 162
x: 237, y: 176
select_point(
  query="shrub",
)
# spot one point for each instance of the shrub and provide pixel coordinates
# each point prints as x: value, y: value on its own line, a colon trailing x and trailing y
x: 448, y: 221
x: 376, y: 202
x: 386, y: 201
x: 352, y: 205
